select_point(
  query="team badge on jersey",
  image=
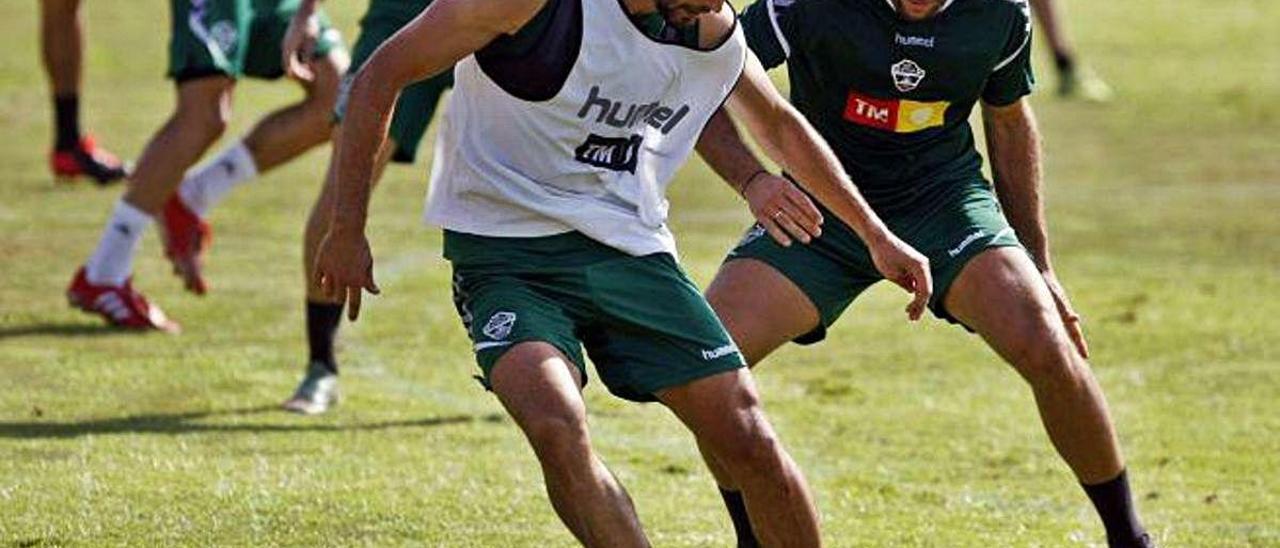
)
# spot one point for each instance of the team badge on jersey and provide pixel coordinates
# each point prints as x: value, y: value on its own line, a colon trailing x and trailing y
x: 906, y: 75
x: 499, y: 326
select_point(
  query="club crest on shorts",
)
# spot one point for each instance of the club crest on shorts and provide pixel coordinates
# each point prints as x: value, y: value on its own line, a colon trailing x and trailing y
x: 224, y: 34
x: 754, y: 233
x: 906, y: 75
x: 499, y: 326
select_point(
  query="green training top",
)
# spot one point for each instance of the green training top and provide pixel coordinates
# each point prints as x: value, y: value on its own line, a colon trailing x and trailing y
x: 891, y: 96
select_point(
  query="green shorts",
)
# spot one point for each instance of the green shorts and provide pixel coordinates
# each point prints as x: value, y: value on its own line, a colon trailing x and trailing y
x: 235, y: 38
x: 962, y: 221
x: 645, y: 326
x: 418, y: 101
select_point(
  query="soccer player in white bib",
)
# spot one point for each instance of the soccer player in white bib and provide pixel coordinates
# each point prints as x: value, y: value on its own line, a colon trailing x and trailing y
x: 568, y: 120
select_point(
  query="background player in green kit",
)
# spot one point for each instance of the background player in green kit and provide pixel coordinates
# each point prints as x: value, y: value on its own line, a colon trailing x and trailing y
x: 213, y: 44
x: 890, y: 84
x: 414, y: 110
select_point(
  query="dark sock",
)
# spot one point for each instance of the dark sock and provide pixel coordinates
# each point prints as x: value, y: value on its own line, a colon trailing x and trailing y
x: 1114, y: 504
x: 322, y: 328
x: 741, y: 523
x: 1064, y: 61
x: 66, y: 112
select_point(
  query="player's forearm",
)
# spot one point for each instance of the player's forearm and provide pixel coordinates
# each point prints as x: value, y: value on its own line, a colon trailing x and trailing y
x: 809, y: 159
x: 722, y: 148
x: 1013, y: 144
x: 364, y: 130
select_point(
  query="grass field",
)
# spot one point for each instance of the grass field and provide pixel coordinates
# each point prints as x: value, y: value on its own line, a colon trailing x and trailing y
x: 1164, y: 211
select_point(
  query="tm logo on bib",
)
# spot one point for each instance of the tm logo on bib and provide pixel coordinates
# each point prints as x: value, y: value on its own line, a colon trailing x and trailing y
x: 499, y: 326
x: 906, y: 75
x: 612, y: 153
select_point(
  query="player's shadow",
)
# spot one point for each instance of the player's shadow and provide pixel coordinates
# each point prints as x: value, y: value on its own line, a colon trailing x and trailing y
x: 189, y: 423
x: 79, y: 329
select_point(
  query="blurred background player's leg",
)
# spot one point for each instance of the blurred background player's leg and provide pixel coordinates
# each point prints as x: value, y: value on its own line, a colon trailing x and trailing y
x: 276, y: 139
x: 206, y: 73
x: 1074, y: 80
x: 415, y: 108
x: 62, y: 47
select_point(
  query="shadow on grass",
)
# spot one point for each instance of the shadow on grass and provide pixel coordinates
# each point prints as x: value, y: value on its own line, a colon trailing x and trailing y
x: 79, y: 329
x: 186, y: 423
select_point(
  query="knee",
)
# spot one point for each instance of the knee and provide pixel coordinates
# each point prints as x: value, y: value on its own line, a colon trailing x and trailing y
x: 1046, y: 358
x: 561, y: 442
x: 752, y: 451
x: 207, y: 121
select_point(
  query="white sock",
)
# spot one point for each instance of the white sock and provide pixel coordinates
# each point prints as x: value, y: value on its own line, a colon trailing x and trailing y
x: 205, y: 185
x: 112, y: 261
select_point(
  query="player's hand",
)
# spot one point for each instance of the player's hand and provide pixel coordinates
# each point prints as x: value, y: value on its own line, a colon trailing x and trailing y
x: 782, y: 209
x: 1069, y: 316
x: 344, y: 268
x: 903, y: 265
x: 299, y: 45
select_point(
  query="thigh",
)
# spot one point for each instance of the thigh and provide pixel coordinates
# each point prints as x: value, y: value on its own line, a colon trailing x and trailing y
x: 830, y: 272
x: 965, y: 222
x: 539, y: 388
x: 651, y: 329
x: 209, y: 37
x: 500, y: 312
x: 1000, y: 295
x: 761, y: 307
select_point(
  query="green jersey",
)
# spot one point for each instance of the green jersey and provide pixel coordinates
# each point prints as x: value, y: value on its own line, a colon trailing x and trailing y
x: 891, y: 96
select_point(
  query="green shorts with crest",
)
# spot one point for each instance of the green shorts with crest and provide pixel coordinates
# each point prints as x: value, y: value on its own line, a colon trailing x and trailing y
x: 645, y: 326
x: 950, y: 228
x: 235, y: 38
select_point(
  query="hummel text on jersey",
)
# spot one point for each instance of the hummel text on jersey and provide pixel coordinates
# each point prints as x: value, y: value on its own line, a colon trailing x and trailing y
x: 609, y: 112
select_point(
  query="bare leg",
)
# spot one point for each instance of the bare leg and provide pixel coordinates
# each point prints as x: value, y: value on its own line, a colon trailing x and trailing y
x: 204, y: 107
x: 724, y: 413
x: 762, y: 311
x: 286, y: 133
x: 541, y: 390
x: 62, y: 44
x: 1051, y: 22
x: 1000, y: 295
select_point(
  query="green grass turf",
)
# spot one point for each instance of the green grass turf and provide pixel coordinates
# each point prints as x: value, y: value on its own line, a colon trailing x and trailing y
x: 1164, y: 218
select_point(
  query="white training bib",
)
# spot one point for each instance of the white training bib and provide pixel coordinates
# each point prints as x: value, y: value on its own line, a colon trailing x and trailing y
x: 597, y: 156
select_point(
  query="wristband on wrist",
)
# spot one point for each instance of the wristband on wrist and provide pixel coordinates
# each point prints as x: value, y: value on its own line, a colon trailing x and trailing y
x: 743, y: 189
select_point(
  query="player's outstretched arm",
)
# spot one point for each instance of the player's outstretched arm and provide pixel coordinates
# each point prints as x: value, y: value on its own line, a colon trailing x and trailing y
x: 1013, y: 144
x: 444, y: 33
x: 789, y: 139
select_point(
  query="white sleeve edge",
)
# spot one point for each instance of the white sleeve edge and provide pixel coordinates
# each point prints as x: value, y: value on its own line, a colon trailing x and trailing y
x: 777, y: 30
x: 1015, y: 55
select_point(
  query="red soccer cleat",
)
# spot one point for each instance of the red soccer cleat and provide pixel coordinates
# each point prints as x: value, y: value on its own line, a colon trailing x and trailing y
x: 120, y: 306
x: 186, y: 237
x: 89, y: 160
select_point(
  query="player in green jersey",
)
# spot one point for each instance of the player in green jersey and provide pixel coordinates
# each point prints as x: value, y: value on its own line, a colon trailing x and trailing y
x: 213, y: 44
x: 414, y: 110
x: 890, y: 84
x: 62, y: 48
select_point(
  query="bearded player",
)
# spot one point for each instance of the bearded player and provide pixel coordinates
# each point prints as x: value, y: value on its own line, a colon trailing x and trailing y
x: 214, y: 43
x: 413, y: 113
x: 567, y: 122
x: 890, y: 84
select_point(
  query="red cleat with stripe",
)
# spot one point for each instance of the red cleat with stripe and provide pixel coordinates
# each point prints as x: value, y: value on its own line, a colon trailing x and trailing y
x: 120, y: 306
